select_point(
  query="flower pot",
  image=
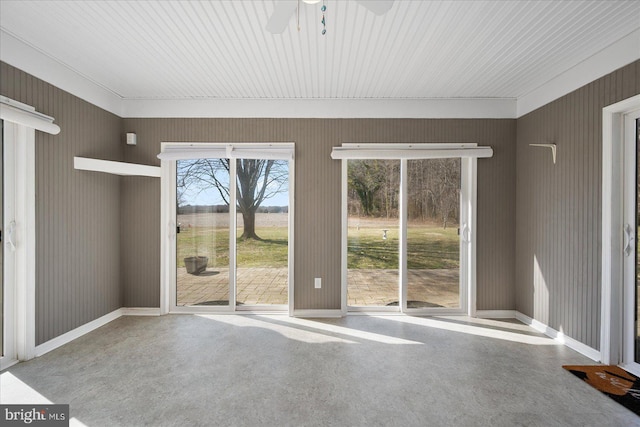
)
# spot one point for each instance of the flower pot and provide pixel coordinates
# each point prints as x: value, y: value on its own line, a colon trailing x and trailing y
x: 196, y: 264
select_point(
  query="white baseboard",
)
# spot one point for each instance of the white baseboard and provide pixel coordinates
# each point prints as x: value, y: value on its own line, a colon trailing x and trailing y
x: 573, y: 344
x: 317, y: 313
x: 140, y: 311
x: 76, y: 333
x: 5, y: 362
x: 496, y: 314
x: 93, y: 325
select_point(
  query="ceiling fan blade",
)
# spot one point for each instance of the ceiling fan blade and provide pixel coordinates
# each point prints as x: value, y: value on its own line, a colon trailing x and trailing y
x: 281, y: 15
x: 379, y: 7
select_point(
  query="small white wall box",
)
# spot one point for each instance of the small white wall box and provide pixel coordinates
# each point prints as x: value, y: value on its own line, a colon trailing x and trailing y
x: 131, y: 138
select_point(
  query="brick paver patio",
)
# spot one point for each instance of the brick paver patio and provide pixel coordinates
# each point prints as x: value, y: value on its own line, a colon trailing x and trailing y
x: 257, y: 286
x: 426, y: 288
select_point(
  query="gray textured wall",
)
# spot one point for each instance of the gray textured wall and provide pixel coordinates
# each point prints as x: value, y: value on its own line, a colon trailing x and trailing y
x: 77, y: 212
x: 558, y: 208
x: 317, y: 196
x: 86, y: 268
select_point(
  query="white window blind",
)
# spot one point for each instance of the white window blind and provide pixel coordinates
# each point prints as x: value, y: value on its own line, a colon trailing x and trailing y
x: 410, y: 151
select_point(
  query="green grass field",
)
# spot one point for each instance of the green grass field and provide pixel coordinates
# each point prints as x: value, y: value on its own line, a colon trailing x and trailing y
x: 428, y: 247
x: 214, y: 243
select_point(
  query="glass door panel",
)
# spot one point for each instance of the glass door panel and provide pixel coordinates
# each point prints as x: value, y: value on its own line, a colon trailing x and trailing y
x: 631, y: 200
x: 433, y: 242
x: 637, y: 235
x: 373, y: 233
x: 202, y: 232
x: 2, y: 297
x: 262, y: 246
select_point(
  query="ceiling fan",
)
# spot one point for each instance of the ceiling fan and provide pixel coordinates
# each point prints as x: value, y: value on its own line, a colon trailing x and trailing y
x: 285, y: 9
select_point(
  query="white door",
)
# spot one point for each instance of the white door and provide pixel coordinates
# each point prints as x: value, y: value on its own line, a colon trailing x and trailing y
x: 631, y: 200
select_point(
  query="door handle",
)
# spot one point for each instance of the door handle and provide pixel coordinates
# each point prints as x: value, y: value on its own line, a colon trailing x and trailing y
x: 628, y: 239
x: 171, y: 230
x: 11, y: 242
x: 466, y: 234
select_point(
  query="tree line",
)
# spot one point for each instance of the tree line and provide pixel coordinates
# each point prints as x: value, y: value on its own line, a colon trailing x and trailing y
x: 198, y: 209
x: 433, y: 189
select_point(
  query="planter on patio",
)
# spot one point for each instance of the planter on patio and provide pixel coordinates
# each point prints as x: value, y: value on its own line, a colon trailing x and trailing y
x: 196, y: 264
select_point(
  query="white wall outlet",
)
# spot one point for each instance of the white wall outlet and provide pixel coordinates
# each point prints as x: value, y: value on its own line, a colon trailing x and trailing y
x: 317, y: 282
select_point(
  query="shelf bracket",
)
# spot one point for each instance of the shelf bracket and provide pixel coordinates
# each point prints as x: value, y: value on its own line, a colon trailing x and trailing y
x: 553, y: 149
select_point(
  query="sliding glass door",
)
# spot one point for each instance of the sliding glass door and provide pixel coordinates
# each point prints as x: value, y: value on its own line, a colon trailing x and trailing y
x: 202, y: 232
x: 408, y: 226
x: 433, y: 233
x: 2, y: 286
x: 232, y: 225
x: 373, y: 233
x: 8, y: 195
x: 631, y: 256
x: 262, y: 237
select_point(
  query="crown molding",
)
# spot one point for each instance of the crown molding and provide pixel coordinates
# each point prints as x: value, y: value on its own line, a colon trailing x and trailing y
x: 615, y: 56
x: 27, y: 58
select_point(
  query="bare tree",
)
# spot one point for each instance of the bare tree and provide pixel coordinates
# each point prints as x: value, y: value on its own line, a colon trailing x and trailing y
x: 257, y: 181
x: 443, y: 188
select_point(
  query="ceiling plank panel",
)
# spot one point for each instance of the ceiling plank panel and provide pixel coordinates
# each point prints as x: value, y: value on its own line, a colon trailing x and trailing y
x: 416, y: 50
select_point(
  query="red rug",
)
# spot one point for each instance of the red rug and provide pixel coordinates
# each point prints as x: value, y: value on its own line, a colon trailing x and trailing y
x: 613, y: 381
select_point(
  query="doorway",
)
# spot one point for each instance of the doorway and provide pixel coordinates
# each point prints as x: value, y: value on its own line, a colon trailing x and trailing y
x: 3, y: 287
x: 231, y: 207
x: 619, y: 296
x: 408, y: 227
x: 631, y: 257
x: 373, y: 234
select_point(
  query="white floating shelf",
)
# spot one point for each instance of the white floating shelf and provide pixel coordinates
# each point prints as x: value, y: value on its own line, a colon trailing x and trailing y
x: 116, y: 168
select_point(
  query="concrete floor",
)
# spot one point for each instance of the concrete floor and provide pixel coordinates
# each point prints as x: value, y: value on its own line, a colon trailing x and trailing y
x: 272, y: 370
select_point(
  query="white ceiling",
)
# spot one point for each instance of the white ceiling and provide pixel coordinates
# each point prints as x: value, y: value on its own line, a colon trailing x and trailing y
x: 220, y: 50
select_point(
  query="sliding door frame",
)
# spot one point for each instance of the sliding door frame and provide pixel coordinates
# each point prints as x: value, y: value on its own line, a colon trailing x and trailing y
x: 20, y: 122
x: 630, y: 210
x: 611, y: 301
x: 468, y: 154
x: 168, y: 281
x: 19, y: 239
